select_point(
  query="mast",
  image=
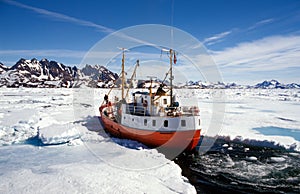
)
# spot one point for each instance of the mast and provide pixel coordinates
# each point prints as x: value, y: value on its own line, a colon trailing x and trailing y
x: 123, y: 73
x: 171, y: 77
x: 150, y: 95
x: 150, y: 92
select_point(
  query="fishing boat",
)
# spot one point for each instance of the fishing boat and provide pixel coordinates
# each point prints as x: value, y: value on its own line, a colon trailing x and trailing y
x: 153, y: 117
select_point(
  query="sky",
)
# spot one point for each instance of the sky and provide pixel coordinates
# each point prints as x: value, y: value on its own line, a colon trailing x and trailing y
x: 250, y: 40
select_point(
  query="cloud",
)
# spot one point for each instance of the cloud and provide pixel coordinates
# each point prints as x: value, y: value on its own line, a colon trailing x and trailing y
x: 261, y: 23
x: 216, y: 38
x: 221, y: 36
x: 66, y: 18
x: 61, y: 17
x: 273, y: 53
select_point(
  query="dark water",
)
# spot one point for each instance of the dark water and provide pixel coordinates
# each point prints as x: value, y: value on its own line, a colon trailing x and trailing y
x: 234, y: 167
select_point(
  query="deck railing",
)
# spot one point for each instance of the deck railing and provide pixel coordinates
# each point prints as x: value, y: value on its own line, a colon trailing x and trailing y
x: 139, y: 109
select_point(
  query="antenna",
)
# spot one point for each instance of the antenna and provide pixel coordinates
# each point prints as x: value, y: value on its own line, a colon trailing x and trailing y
x: 165, y: 50
x: 172, y: 56
x: 172, y: 22
x: 123, y: 49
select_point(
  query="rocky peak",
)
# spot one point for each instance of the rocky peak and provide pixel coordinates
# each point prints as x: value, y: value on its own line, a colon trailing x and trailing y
x: 45, y: 73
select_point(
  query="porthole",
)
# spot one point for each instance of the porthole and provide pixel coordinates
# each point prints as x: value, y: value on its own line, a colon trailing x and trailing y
x: 166, y: 123
x: 183, y: 123
x: 153, y: 123
x: 165, y: 101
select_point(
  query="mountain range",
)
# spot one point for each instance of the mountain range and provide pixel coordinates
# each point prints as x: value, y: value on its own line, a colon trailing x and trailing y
x: 272, y: 84
x: 45, y: 74
x: 52, y: 74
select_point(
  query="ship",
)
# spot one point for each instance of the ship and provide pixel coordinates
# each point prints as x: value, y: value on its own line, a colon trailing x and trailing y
x: 153, y: 117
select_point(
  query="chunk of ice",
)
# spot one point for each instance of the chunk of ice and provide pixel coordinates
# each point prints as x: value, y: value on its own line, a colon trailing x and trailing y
x: 58, y: 134
x: 252, y: 158
x: 277, y: 159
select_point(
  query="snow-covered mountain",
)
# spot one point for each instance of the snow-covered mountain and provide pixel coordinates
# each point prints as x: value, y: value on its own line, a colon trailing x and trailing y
x: 3, y: 68
x: 209, y: 85
x: 275, y: 84
x: 44, y: 73
x: 97, y: 76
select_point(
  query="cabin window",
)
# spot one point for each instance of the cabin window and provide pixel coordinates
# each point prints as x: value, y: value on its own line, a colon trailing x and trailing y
x: 165, y: 101
x: 183, y: 123
x: 132, y: 119
x: 145, y: 122
x: 124, y: 118
x: 166, y: 123
x: 153, y: 123
x: 199, y: 122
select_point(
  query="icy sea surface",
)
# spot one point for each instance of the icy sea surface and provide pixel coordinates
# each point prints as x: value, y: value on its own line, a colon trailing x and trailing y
x: 51, y: 140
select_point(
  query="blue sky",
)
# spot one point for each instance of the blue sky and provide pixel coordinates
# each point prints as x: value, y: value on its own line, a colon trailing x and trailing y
x: 250, y: 41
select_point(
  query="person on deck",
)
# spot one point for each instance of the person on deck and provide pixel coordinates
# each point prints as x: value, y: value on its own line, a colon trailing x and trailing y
x: 106, y: 98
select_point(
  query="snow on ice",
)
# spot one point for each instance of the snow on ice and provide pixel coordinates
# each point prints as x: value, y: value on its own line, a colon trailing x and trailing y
x: 266, y: 117
x: 51, y: 140
x: 79, y: 157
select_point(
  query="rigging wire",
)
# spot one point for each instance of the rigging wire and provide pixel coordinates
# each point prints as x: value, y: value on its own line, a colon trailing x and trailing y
x: 172, y: 20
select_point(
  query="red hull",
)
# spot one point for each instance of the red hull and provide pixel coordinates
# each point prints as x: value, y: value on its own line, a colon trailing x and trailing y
x: 185, y: 140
